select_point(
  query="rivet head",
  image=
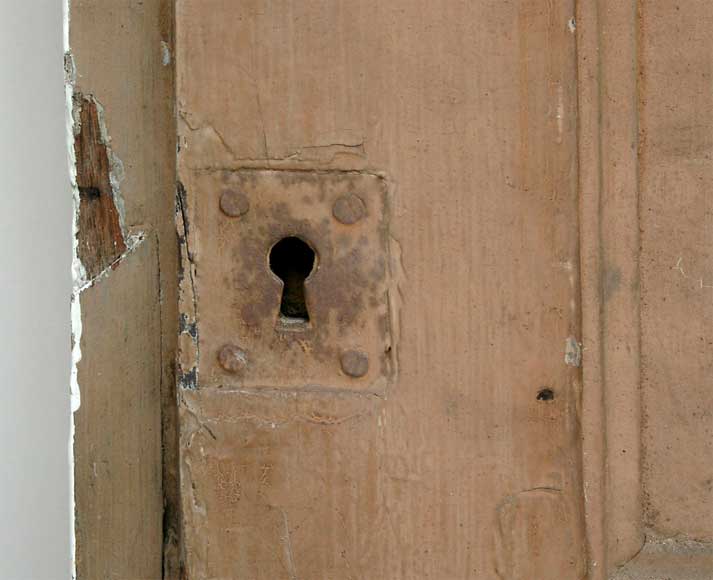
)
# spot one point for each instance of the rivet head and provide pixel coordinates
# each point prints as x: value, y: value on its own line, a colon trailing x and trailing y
x: 234, y: 203
x: 354, y: 363
x: 232, y: 358
x: 349, y: 209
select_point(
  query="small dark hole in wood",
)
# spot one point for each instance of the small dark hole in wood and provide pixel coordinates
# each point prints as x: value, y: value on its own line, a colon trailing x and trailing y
x: 546, y: 395
x: 292, y: 260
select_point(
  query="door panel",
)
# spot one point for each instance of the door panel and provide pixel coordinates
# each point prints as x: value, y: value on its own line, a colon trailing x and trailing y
x: 471, y: 178
x: 465, y: 463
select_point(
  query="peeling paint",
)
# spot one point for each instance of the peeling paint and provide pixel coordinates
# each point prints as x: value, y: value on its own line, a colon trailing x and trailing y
x: 560, y: 112
x: 99, y: 238
x: 165, y: 53
x: 70, y: 71
x: 132, y: 244
x: 573, y: 352
x: 188, y: 348
x: 101, y: 233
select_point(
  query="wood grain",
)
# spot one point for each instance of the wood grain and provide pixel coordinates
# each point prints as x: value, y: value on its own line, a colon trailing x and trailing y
x: 100, y: 241
x: 468, y: 111
x: 610, y: 281
x: 122, y: 53
x: 117, y: 451
x: 676, y: 177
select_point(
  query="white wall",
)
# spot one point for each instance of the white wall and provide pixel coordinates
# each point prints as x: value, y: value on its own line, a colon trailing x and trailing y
x: 35, y: 287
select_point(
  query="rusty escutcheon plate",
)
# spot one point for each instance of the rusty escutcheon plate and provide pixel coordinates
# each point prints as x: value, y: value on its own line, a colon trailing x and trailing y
x: 245, y: 339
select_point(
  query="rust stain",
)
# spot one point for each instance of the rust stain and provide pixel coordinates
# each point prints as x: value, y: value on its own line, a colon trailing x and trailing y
x: 345, y: 293
x: 101, y: 241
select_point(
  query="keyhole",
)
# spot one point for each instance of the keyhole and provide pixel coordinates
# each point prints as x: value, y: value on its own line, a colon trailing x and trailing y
x: 292, y: 260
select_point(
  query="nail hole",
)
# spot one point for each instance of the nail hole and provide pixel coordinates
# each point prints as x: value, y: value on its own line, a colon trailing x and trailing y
x: 292, y: 261
x: 545, y: 395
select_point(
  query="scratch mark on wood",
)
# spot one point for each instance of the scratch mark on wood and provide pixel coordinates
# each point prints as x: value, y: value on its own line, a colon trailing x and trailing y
x: 288, y: 547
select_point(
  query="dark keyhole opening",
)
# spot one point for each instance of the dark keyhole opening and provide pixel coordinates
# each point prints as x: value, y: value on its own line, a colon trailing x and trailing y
x: 292, y: 260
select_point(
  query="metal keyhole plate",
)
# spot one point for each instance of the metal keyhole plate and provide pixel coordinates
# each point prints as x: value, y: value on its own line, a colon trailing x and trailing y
x: 346, y: 313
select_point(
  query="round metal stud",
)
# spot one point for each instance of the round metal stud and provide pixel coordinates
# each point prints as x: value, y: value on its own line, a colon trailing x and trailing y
x: 355, y: 363
x: 234, y: 203
x: 232, y: 358
x: 349, y: 209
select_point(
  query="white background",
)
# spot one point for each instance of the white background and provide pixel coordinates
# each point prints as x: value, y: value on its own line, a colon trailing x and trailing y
x: 35, y: 288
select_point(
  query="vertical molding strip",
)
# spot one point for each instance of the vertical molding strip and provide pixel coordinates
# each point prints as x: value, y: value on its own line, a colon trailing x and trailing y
x: 620, y: 278
x: 589, y: 184
x: 609, y: 229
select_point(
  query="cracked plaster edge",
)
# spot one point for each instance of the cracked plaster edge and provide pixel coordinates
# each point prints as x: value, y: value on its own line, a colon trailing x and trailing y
x: 78, y: 273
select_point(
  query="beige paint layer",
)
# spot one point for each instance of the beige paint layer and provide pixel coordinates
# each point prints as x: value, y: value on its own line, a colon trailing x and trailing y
x: 501, y: 204
x: 125, y: 446
x: 676, y: 126
x: 467, y: 109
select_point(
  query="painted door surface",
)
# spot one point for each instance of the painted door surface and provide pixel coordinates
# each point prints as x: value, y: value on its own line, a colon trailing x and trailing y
x: 457, y: 454
x: 440, y: 302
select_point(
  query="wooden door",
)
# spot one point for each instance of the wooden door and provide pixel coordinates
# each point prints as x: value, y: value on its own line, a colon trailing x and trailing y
x: 437, y: 307
x: 461, y: 460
